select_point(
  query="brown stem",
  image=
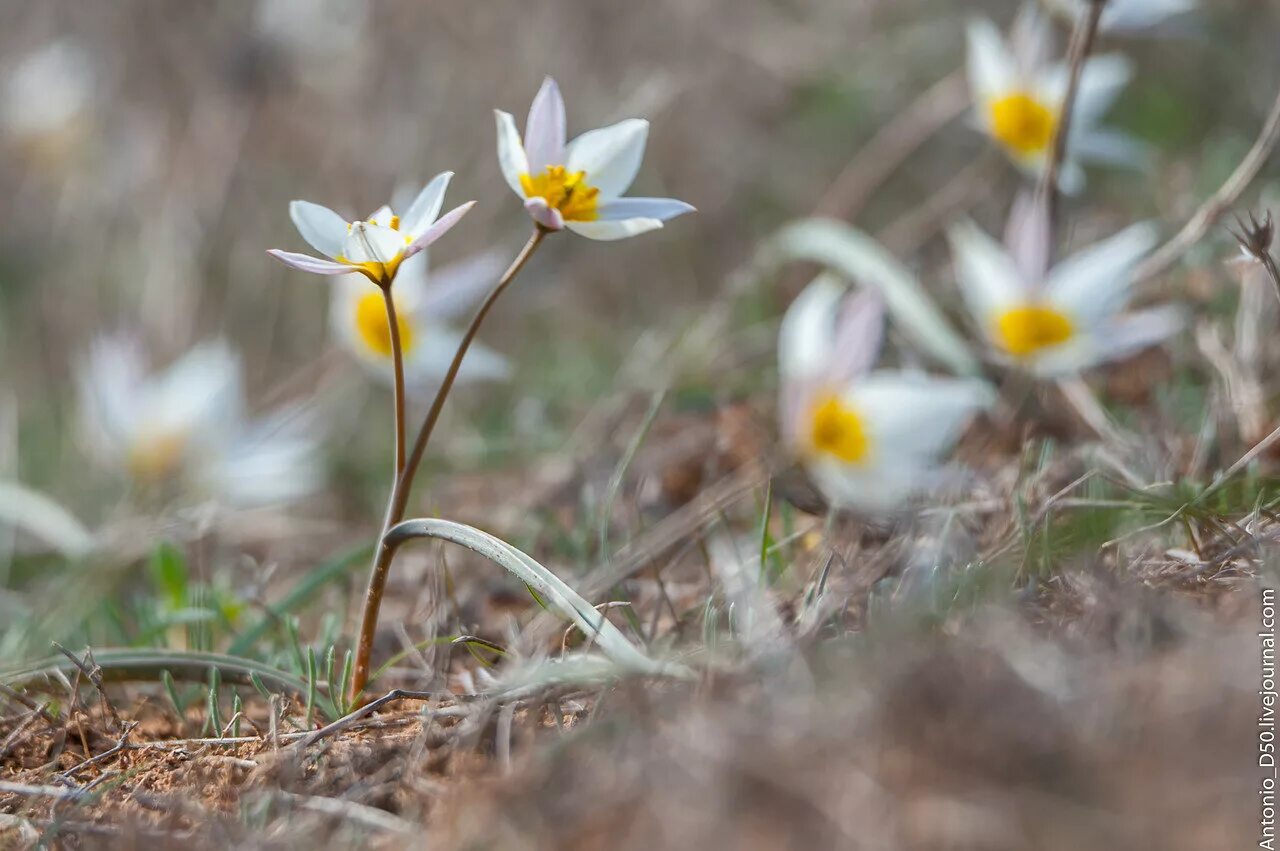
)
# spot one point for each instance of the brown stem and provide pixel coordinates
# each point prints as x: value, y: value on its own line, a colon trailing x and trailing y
x: 397, y: 360
x: 1217, y: 204
x: 383, y: 554
x: 1082, y: 39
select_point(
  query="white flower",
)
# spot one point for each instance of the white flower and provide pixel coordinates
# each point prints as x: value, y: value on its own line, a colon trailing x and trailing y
x: 1059, y: 321
x: 577, y: 185
x: 1125, y: 15
x: 48, y: 90
x: 424, y: 303
x: 187, y: 426
x: 1018, y: 96
x: 868, y: 439
x: 376, y: 246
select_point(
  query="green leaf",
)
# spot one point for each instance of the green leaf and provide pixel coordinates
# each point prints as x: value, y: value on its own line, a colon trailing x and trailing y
x: 558, y: 595
x: 168, y: 568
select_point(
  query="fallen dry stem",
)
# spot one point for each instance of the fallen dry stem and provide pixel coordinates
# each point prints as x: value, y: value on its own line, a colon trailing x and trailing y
x: 1217, y: 205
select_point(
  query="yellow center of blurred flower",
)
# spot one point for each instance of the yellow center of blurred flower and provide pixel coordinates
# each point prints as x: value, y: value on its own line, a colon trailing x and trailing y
x: 375, y: 330
x: 1022, y: 123
x: 837, y: 430
x: 1024, y: 331
x: 563, y: 190
x: 154, y: 457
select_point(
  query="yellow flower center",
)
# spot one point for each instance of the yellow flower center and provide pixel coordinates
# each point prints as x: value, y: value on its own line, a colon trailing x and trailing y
x: 1022, y: 123
x: 837, y: 430
x: 375, y: 330
x: 154, y: 457
x: 563, y: 190
x: 1024, y: 331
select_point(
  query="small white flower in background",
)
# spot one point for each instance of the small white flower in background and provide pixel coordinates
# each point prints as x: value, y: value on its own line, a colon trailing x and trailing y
x: 577, y: 185
x: 425, y: 302
x: 868, y: 439
x: 376, y: 246
x: 1056, y: 322
x: 186, y: 426
x: 1018, y: 95
x: 47, y: 93
x: 1122, y: 16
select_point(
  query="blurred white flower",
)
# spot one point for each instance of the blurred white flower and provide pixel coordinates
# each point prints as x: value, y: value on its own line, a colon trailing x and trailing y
x: 425, y: 302
x: 1125, y: 15
x: 1018, y: 95
x: 47, y: 90
x: 376, y: 246
x: 1056, y: 322
x: 186, y: 426
x: 868, y: 439
x: 577, y: 185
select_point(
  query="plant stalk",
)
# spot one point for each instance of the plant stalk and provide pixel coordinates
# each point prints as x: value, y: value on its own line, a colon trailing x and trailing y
x: 383, y: 554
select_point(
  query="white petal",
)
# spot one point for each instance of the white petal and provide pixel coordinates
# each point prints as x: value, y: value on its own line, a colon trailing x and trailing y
x: 307, y: 263
x: 989, y: 279
x: 1093, y: 284
x: 610, y: 156
x: 372, y: 244
x: 441, y: 226
x: 1128, y: 334
x: 606, y: 231
x: 459, y: 286
x: 874, y: 488
x: 544, y: 132
x: 661, y: 209
x: 1031, y: 40
x: 109, y: 380
x: 915, y: 417
x: 1071, y: 177
x: 424, y: 209
x: 434, y: 349
x: 270, y: 462
x: 201, y: 395
x: 1027, y: 237
x: 322, y: 228
x: 381, y: 216
x: 1101, y: 82
x: 412, y: 280
x: 992, y: 70
x: 806, y: 337
x: 1109, y: 147
x: 1131, y: 15
x: 511, y: 156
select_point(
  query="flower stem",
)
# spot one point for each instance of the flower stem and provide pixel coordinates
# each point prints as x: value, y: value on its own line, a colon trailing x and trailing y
x: 383, y: 554
x: 397, y: 360
x: 1082, y: 38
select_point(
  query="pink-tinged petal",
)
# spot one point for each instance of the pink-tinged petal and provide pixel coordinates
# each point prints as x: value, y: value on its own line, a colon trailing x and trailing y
x: 439, y: 229
x: 511, y: 156
x: 322, y: 228
x: 307, y: 263
x: 661, y: 209
x: 1027, y: 238
x: 548, y: 217
x: 607, y: 231
x: 544, y: 133
x: 859, y: 331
